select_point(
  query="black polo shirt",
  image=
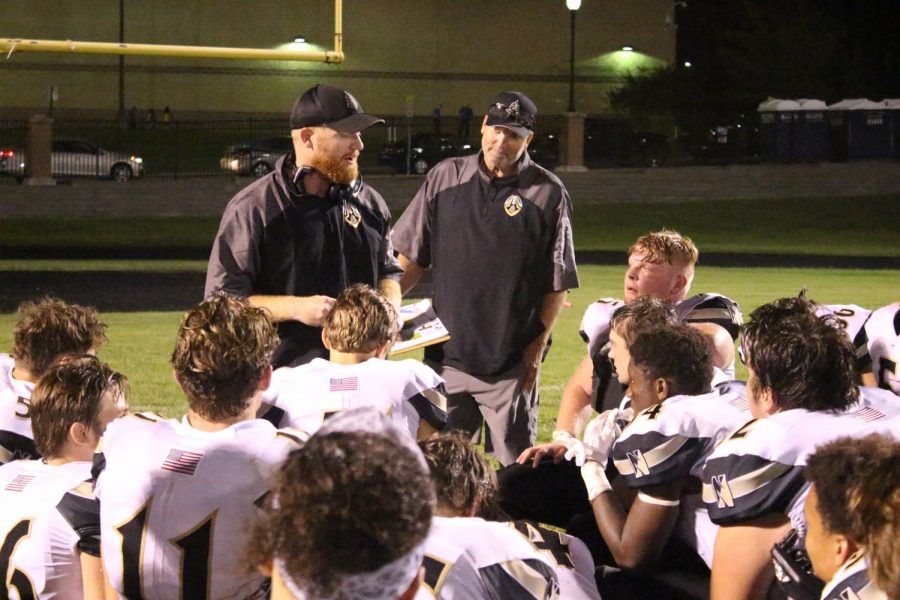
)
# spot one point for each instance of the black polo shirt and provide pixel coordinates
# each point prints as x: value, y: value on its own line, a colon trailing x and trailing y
x: 495, y: 247
x: 275, y: 239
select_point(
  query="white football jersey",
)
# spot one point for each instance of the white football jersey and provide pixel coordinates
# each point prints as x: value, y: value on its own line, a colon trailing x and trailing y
x: 852, y: 318
x: 16, y: 439
x: 883, y: 336
x: 851, y: 582
x: 49, y: 517
x: 758, y: 469
x: 408, y: 391
x: 595, y: 325
x: 571, y: 559
x: 671, y: 441
x: 505, y: 563
x: 176, y: 504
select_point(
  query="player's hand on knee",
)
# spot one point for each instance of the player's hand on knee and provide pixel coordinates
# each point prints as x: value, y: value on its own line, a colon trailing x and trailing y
x: 312, y: 310
x: 536, y: 454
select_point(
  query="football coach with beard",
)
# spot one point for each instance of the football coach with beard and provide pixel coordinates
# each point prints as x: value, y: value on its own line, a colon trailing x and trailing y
x: 292, y: 240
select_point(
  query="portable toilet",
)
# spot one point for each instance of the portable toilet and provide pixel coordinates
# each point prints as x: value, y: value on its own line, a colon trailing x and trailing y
x: 868, y: 128
x: 810, y: 136
x: 838, y: 119
x: 893, y: 110
x: 776, y: 128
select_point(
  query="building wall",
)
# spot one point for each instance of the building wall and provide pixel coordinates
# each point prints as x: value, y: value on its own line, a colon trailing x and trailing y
x: 399, y: 53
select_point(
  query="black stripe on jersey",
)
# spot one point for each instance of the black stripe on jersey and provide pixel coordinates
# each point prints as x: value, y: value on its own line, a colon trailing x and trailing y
x: 606, y: 391
x: 502, y: 584
x: 638, y: 450
x: 16, y: 447
x: 720, y: 310
x: 433, y: 415
x: 742, y: 487
x: 274, y: 416
x: 861, y: 346
x: 83, y: 516
x: 856, y: 583
x: 98, y: 465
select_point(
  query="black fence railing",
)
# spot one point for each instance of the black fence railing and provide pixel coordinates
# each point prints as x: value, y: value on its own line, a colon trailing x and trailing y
x: 121, y: 149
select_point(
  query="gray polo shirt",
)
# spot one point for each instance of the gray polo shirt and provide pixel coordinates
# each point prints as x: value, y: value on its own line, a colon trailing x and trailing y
x: 495, y: 247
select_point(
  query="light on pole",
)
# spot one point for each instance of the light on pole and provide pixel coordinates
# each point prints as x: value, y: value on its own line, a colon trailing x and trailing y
x: 573, y: 6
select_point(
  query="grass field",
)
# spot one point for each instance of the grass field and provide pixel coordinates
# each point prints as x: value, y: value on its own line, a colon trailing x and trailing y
x: 140, y: 343
x: 859, y: 226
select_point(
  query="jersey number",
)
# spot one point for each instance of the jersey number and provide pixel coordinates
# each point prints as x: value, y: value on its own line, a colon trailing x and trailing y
x: 435, y: 572
x: 25, y: 408
x: 17, y: 579
x: 548, y: 541
x: 195, y: 559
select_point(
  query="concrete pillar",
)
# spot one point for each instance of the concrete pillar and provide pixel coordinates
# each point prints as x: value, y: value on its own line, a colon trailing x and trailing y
x: 37, y: 151
x: 571, y: 143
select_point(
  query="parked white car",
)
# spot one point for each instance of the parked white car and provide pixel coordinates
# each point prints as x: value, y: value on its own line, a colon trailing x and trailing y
x: 75, y: 158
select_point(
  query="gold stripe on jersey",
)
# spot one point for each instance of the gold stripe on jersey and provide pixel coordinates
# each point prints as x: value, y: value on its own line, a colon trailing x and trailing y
x: 741, y: 486
x: 528, y: 577
x: 85, y: 489
x: 435, y: 397
x: 298, y: 436
x: 640, y: 463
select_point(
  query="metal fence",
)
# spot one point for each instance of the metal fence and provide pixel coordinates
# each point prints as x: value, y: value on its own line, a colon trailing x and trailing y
x: 249, y: 146
x: 182, y: 148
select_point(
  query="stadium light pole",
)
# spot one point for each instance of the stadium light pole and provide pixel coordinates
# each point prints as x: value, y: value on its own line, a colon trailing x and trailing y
x: 121, y: 59
x: 573, y: 6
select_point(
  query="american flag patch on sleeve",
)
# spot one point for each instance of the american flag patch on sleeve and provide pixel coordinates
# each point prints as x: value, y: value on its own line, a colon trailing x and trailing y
x: 182, y: 461
x: 18, y: 483
x: 344, y: 384
x: 868, y: 414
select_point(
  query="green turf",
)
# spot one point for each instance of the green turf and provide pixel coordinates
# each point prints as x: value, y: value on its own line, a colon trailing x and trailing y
x: 861, y: 226
x: 140, y: 343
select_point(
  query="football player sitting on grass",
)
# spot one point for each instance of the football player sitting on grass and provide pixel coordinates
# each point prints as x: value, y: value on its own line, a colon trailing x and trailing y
x: 348, y: 514
x: 49, y: 524
x: 802, y: 393
x: 853, y: 517
x: 45, y: 331
x: 358, y: 333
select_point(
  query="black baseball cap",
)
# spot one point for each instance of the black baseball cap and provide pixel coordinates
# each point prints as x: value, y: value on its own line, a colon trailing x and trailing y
x: 513, y: 110
x: 329, y: 106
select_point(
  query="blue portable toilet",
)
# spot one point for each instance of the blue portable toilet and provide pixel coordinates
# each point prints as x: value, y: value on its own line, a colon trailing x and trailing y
x: 893, y: 107
x: 867, y: 126
x: 810, y: 135
x: 776, y: 128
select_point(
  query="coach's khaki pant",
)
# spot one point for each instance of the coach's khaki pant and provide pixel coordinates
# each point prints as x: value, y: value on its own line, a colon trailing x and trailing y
x: 498, y: 400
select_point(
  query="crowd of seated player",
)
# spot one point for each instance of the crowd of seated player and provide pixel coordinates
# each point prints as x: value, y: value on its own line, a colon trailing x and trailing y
x: 308, y: 482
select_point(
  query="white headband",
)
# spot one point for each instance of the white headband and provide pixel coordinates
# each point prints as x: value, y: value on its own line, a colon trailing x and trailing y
x: 386, y: 583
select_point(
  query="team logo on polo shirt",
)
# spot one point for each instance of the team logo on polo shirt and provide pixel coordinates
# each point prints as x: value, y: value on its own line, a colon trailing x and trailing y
x: 351, y: 215
x: 513, y: 205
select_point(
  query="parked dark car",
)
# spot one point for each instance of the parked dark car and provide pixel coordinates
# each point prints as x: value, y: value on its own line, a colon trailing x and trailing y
x: 620, y: 143
x: 75, y: 158
x: 428, y: 149
x: 256, y: 157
